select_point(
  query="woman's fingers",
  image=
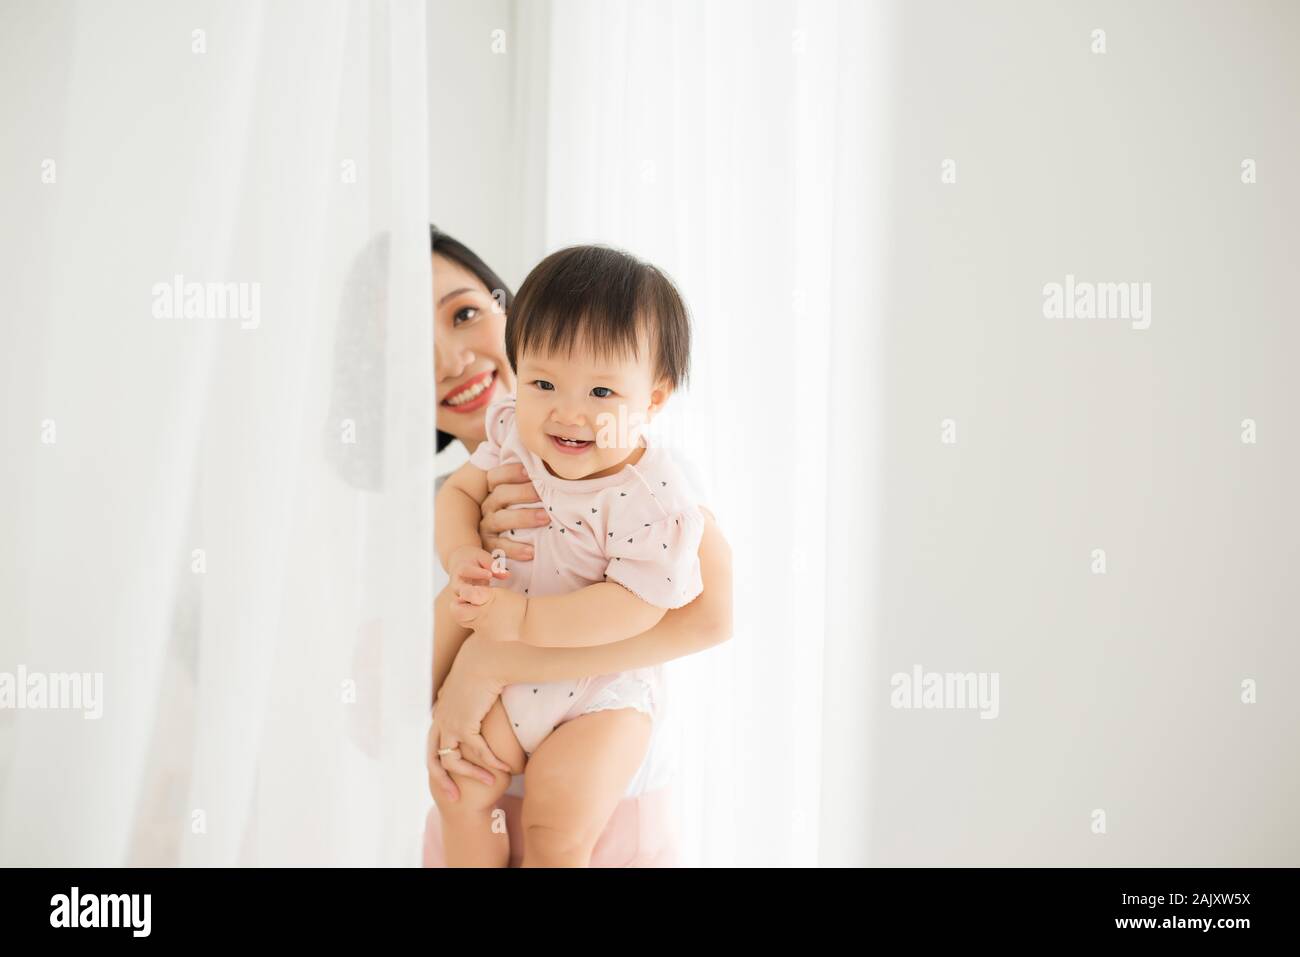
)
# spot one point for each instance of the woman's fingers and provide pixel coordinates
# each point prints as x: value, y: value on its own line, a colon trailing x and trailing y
x: 516, y: 493
x: 475, y: 748
x: 440, y: 782
x: 512, y: 474
x: 508, y: 519
x: 439, y: 779
x: 509, y: 485
x: 517, y: 551
x: 457, y: 763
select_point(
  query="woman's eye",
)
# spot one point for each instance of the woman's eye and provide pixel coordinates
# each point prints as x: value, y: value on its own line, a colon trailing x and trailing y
x: 544, y: 385
x: 601, y: 392
x: 464, y: 315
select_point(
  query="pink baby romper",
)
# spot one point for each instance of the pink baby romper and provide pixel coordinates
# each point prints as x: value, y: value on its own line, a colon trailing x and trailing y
x: 640, y: 527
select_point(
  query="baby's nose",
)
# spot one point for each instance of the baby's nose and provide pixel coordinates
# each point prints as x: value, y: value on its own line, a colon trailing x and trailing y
x: 568, y: 416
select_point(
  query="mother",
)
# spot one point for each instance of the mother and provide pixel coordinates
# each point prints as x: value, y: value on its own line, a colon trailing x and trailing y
x: 470, y: 301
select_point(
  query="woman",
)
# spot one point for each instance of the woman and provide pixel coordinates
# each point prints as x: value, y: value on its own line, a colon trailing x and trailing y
x: 470, y: 303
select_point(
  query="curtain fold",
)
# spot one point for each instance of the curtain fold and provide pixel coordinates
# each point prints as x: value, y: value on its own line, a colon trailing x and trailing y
x: 730, y: 143
x: 221, y: 404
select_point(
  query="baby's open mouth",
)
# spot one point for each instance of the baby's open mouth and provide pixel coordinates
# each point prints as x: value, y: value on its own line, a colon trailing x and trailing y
x: 571, y: 445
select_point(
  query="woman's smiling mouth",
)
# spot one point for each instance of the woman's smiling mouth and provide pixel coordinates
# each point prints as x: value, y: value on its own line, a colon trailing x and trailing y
x: 472, y: 395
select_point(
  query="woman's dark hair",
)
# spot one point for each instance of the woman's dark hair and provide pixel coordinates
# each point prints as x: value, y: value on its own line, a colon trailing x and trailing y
x: 605, y: 299
x: 458, y: 252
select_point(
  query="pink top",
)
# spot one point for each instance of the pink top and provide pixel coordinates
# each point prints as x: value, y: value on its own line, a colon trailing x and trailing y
x: 640, y: 527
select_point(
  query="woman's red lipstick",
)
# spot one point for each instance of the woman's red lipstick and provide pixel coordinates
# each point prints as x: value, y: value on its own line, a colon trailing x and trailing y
x: 486, y: 380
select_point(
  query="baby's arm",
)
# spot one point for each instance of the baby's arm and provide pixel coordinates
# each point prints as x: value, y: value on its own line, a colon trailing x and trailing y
x: 605, y: 612
x: 595, y: 615
x: 457, y: 509
x: 456, y: 539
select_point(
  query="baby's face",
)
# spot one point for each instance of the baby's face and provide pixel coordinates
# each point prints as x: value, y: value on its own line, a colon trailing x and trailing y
x: 582, y: 414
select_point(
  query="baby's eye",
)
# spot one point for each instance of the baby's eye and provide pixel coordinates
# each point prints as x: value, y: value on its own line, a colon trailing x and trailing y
x: 601, y: 392
x: 544, y: 385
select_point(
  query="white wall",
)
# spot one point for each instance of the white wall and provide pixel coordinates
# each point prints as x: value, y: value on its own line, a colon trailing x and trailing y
x: 1118, y: 691
x: 478, y: 117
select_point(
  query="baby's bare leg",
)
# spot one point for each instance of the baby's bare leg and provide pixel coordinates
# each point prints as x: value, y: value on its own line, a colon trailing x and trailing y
x: 574, y: 781
x: 473, y: 827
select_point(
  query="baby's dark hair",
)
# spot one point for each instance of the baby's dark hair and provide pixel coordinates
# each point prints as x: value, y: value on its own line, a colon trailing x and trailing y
x: 605, y: 299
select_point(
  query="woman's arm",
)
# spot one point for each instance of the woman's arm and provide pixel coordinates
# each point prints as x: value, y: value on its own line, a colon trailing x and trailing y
x: 447, y: 639
x: 703, y: 623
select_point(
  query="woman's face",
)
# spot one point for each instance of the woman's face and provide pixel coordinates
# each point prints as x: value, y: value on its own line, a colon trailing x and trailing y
x: 469, y: 350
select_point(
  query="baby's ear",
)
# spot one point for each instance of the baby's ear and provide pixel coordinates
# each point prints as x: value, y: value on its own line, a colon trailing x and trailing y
x: 659, y: 396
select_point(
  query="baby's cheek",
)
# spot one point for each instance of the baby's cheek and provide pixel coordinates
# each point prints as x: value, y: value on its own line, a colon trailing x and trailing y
x: 532, y: 443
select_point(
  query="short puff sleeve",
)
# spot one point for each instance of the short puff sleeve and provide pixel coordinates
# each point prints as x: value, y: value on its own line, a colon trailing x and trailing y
x: 661, y: 563
x: 498, y: 421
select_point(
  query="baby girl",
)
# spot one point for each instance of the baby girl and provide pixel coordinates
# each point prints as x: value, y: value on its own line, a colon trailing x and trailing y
x: 598, y: 341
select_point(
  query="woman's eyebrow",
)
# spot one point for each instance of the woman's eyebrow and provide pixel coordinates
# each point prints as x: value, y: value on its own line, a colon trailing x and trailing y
x: 454, y: 292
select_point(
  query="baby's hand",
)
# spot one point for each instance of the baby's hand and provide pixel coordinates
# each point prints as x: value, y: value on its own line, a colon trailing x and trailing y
x: 472, y: 566
x: 493, y: 613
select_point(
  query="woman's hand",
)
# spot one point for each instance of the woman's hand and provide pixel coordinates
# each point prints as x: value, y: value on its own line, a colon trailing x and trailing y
x: 439, y: 778
x: 509, y: 485
x: 464, y: 700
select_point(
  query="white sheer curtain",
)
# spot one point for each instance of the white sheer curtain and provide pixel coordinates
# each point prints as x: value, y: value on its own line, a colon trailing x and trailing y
x: 225, y: 512
x: 739, y: 146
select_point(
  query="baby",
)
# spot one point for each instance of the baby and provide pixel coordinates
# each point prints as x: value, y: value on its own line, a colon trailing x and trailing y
x: 598, y: 341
